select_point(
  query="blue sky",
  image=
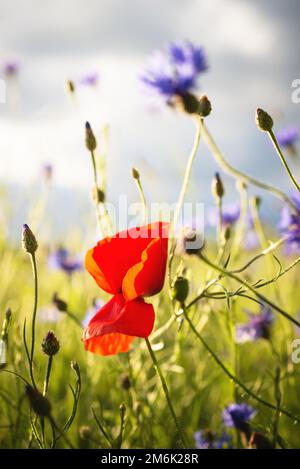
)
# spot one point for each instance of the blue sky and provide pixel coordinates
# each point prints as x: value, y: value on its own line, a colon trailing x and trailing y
x: 252, y: 47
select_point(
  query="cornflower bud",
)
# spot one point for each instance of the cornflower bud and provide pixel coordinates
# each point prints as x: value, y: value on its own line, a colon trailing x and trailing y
x: 204, y: 108
x: 90, y: 139
x: 263, y: 120
x: 98, y: 195
x: 39, y: 404
x: 70, y: 86
x: 217, y: 187
x: 50, y: 344
x: 180, y: 289
x: 135, y: 174
x: 29, y: 241
x: 60, y: 304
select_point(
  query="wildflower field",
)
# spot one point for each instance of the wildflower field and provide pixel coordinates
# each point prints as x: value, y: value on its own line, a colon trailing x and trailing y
x: 178, y: 330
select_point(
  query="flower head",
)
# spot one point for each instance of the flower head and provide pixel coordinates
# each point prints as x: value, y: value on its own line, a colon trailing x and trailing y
x: 175, y: 71
x: 257, y: 327
x: 10, y: 68
x: 130, y: 265
x: 62, y: 259
x: 238, y: 415
x: 289, y: 225
x: 288, y: 137
x: 207, y: 440
x: 90, y: 79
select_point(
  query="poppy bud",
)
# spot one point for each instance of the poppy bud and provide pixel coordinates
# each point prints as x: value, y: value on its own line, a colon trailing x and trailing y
x: 204, y: 108
x: 263, y: 120
x: 217, y: 187
x: 70, y: 86
x: 50, y: 344
x: 60, y: 304
x: 29, y: 241
x: 125, y: 382
x: 39, y: 404
x: 135, y: 174
x: 85, y: 432
x: 90, y: 140
x: 180, y: 289
x: 98, y: 195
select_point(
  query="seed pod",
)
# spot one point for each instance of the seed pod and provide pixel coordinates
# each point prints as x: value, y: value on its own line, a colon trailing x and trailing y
x: 263, y: 120
x: 29, y: 241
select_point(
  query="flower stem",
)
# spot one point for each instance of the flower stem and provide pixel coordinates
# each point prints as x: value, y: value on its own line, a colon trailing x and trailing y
x: 166, y: 391
x: 249, y: 287
x: 47, y: 377
x: 282, y: 158
x: 234, y: 378
x: 238, y: 174
x: 143, y: 199
x: 35, y: 278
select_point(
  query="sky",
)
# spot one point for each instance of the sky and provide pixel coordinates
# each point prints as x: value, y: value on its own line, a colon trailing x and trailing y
x: 252, y: 49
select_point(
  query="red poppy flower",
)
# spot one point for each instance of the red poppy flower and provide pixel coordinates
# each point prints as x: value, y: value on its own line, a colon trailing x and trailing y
x: 130, y: 265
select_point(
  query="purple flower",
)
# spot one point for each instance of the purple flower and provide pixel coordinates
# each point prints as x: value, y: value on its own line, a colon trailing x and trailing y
x: 10, y: 68
x: 288, y: 137
x: 62, y: 259
x: 289, y: 225
x: 207, y: 440
x: 175, y: 71
x: 97, y: 304
x: 257, y: 327
x: 230, y: 214
x: 90, y: 79
x: 47, y: 171
x: 237, y: 415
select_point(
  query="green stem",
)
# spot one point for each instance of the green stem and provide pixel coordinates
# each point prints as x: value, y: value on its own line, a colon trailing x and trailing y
x: 166, y: 391
x: 238, y: 174
x: 143, y: 199
x: 35, y: 278
x: 47, y: 377
x: 234, y: 378
x: 282, y: 158
x: 249, y: 287
x: 183, y: 190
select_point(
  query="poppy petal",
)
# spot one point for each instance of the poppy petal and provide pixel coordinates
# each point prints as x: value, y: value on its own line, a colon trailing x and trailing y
x: 146, y: 278
x: 115, y: 319
x: 109, y: 261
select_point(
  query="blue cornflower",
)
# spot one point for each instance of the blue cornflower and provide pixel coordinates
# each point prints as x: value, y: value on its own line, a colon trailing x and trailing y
x: 238, y: 415
x: 90, y: 79
x: 174, y: 72
x: 289, y: 225
x: 10, y: 68
x: 207, y: 440
x: 257, y: 327
x: 287, y: 138
x: 62, y: 259
x: 230, y: 214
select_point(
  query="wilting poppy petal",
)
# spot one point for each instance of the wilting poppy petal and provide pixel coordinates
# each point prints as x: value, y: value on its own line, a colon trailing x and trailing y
x: 109, y: 261
x: 115, y: 319
x: 147, y: 277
